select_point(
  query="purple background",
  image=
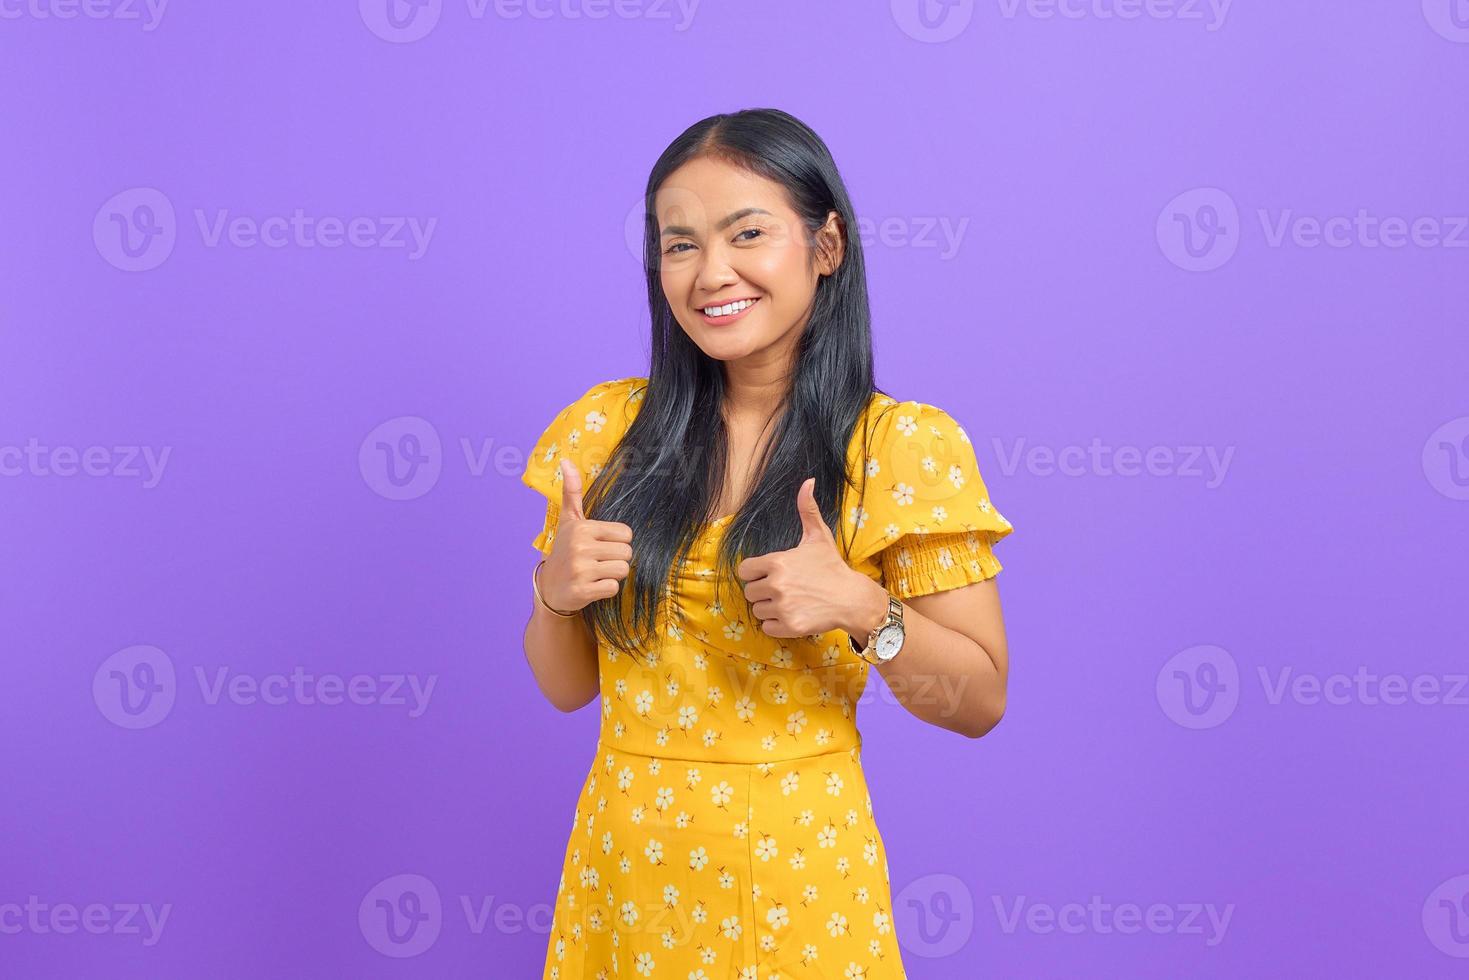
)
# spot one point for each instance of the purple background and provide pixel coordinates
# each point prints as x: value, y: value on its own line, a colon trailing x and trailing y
x: 1068, y: 313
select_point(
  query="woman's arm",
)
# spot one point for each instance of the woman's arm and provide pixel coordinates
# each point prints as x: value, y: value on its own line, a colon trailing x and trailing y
x: 562, y: 653
x: 952, y: 669
x: 588, y: 561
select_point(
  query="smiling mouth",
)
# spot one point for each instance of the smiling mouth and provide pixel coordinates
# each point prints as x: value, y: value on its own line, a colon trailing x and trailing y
x: 728, y: 312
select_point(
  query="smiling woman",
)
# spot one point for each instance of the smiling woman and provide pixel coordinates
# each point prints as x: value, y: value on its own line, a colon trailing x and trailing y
x: 730, y: 545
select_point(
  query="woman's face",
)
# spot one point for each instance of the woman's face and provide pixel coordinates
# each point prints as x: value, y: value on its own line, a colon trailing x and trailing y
x: 728, y: 235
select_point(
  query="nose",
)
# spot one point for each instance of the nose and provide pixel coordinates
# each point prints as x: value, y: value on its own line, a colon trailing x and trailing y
x: 715, y: 271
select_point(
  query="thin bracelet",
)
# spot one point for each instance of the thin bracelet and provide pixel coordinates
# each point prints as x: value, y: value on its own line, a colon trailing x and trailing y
x: 536, y: 587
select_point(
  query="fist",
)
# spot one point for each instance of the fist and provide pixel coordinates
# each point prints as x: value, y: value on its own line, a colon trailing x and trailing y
x: 589, y: 559
x: 808, y: 589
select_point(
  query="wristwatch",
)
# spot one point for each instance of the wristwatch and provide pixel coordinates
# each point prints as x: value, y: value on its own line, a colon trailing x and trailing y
x: 884, y: 642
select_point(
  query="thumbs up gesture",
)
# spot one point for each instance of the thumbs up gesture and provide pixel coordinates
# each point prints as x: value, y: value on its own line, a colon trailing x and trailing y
x: 810, y: 588
x: 589, y: 559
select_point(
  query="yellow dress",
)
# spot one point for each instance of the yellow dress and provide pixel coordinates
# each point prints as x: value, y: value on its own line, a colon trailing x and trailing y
x: 724, y: 829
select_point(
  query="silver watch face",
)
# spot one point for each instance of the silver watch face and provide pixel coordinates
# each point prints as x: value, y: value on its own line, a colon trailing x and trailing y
x: 889, y: 641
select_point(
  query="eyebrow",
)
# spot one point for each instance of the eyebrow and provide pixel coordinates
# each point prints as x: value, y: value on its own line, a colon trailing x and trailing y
x: 686, y: 230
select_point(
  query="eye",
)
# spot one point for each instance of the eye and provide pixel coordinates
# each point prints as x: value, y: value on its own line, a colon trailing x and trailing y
x: 748, y: 231
x: 674, y: 248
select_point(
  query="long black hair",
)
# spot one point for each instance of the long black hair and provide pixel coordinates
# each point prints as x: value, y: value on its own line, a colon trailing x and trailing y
x: 665, y: 475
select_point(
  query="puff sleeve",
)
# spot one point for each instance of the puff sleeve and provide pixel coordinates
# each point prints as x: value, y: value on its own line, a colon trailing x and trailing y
x: 925, y: 517
x: 585, y: 431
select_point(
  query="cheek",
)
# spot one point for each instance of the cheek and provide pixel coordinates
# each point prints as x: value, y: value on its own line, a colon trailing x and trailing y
x: 781, y: 271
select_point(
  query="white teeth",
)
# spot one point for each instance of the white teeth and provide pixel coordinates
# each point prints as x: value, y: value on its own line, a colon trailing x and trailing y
x: 728, y: 308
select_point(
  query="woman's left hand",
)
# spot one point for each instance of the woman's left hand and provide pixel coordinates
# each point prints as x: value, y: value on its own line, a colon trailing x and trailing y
x: 810, y: 589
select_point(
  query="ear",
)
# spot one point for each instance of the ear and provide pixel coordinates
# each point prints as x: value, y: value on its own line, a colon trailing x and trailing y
x: 831, y: 244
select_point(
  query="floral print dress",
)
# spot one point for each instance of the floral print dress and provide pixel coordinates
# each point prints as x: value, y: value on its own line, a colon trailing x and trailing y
x: 724, y: 829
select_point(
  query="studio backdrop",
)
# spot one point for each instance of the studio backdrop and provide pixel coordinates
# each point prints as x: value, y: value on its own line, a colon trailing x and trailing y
x: 290, y: 292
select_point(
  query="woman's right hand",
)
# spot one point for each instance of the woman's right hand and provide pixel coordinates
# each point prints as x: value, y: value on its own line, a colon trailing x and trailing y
x: 589, y: 559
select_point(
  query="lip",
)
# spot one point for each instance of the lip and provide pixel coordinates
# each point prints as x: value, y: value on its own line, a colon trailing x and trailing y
x: 721, y: 321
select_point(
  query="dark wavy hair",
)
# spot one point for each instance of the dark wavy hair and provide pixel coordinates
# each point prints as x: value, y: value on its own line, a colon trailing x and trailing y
x: 664, y: 476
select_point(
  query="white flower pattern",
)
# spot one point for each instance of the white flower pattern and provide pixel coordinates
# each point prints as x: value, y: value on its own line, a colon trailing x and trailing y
x: 756, y: 854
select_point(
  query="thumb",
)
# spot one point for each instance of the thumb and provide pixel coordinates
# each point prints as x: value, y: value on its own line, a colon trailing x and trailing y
x: 571, y: 491
x: 810, y: 512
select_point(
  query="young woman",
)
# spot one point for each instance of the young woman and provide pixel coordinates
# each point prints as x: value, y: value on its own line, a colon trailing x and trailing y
x: 730, y: 545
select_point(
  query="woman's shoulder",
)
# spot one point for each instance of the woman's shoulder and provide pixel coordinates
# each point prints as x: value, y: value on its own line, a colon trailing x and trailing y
x: 889, y: 422
x: 918, y: 474
x: 619, y: 392
x: 585, y: 430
